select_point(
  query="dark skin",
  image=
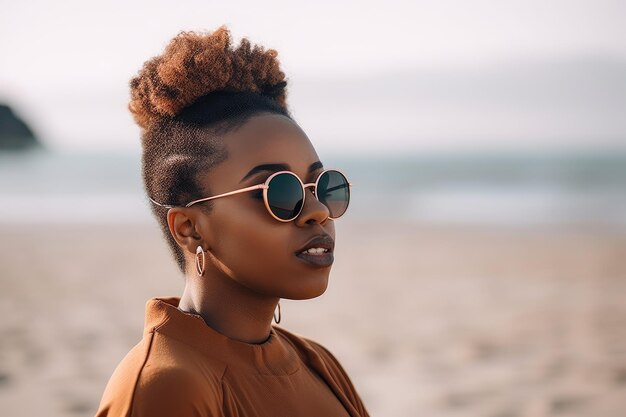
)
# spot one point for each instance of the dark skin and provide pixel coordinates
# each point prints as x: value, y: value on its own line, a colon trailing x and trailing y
x: 250, y: 256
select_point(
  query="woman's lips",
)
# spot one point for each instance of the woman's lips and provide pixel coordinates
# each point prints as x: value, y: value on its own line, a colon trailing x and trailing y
x: 318, y: 260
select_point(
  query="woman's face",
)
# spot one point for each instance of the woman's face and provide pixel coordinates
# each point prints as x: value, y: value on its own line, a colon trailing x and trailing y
x: 243, y: 240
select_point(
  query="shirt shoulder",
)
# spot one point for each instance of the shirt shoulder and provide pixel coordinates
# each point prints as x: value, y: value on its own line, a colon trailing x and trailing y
x: 177, y: 392
x: 162, y: 376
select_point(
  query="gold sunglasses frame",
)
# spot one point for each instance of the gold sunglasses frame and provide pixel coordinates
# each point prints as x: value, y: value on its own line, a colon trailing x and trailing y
x: 265, y: 186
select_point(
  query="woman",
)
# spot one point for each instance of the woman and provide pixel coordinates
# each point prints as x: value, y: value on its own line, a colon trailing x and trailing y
x: 248, y: 210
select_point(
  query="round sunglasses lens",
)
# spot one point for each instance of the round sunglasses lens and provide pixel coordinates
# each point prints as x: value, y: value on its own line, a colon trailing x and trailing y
x: 284, y: 196
x: 334, y: 192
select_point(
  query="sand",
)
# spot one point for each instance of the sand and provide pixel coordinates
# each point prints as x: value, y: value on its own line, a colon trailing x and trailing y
x: 436, y: 321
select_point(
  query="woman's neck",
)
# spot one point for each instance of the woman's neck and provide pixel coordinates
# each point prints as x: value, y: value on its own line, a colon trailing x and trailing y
x: 229, y: 307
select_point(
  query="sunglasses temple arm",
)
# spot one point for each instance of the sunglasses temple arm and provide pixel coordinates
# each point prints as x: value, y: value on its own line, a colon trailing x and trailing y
x: 167, y: 206
x: 251, y: 188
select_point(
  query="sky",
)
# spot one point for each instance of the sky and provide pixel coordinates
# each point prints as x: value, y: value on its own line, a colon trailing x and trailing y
x: 363, y: 76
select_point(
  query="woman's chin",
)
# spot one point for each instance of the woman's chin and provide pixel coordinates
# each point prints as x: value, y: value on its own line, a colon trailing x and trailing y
x: 312, y: 288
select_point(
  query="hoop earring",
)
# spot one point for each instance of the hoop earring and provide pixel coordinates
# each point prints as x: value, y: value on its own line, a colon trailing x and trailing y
x: 200, y: 262
x: 277, y: 320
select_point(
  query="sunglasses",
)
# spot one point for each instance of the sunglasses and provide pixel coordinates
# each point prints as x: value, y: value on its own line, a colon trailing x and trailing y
x: 284, y: 194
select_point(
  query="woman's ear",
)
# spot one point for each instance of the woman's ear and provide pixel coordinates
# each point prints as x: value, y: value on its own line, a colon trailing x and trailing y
x: 183, y: 227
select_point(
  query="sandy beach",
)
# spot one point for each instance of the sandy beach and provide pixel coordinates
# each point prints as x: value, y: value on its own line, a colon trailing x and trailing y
x: 427, y: 320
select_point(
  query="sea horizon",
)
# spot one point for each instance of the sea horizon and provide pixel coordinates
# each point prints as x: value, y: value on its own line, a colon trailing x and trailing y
x: 457, y: 188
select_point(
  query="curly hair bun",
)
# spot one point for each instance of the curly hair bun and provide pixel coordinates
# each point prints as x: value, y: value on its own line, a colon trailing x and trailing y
x: 195, y: 64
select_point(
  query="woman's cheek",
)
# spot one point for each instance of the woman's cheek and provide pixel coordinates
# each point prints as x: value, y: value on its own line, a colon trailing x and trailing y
x: 254, y: 259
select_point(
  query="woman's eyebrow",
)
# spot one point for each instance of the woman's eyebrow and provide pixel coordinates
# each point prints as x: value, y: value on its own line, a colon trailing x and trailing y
x: 278, y: 167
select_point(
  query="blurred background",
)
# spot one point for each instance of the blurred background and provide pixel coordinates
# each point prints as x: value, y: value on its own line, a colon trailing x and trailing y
x: 481, y: 269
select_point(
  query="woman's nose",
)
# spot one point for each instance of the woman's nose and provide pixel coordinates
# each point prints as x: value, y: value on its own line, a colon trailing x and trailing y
x: 313, y: 211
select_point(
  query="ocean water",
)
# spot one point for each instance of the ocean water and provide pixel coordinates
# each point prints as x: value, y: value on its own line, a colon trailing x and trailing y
x: 496, y: 189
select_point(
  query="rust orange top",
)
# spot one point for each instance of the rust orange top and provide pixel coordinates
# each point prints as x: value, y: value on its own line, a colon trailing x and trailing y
x: 184, y: 368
